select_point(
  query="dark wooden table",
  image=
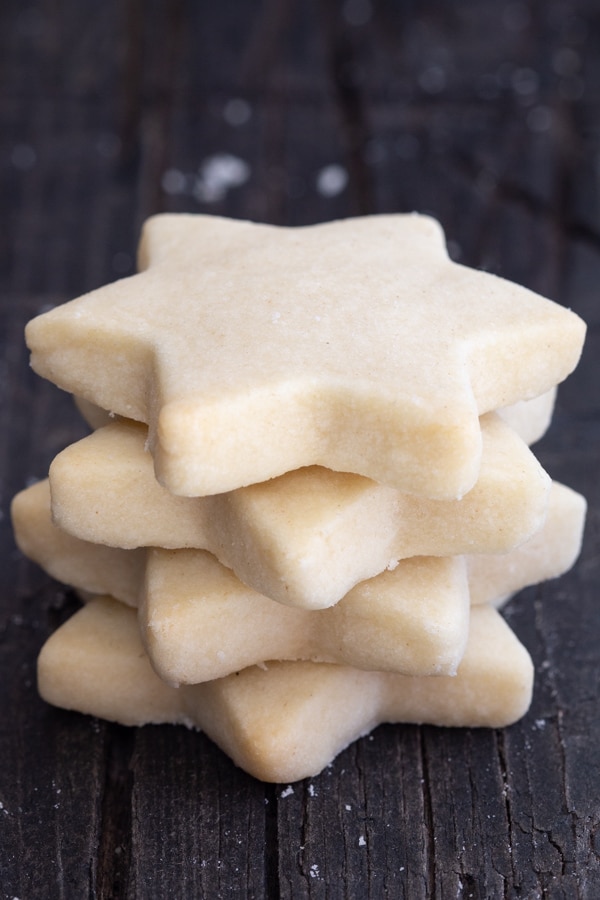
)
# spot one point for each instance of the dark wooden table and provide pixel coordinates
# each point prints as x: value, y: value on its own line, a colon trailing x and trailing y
x: 485, y: 113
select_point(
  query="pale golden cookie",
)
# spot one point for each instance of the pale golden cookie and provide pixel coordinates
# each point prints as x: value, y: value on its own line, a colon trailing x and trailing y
x: 358, y: 345
x: 412, y: 620
x: 200, y: 622
x: 307, y: 537
x: 288, y: 720
x: 94, y: 568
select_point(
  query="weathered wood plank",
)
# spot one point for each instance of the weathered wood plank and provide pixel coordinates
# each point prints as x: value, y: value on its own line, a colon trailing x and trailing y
x: 197, y: 820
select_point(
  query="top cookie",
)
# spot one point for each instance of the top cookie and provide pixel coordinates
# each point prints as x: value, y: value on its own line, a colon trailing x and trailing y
x: 358, y: 345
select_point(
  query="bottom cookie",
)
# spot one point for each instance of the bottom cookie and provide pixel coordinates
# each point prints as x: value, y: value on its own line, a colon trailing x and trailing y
x: 286, y: 720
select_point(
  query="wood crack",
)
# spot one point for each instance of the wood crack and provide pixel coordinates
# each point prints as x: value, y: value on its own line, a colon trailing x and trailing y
x: 431, y: 885
x: 272, y: 880
x: 503, y: 767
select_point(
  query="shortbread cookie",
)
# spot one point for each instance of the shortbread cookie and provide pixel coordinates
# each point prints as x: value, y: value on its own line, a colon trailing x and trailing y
x: 252, y: 350
x: 307, y: 537
x: 285, y: 721
x: 412, y: 620
x: 93, y: 568
x: 200, y: 622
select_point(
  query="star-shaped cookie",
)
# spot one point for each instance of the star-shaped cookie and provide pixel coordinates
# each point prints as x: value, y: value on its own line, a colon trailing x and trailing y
x: 284, y: 721
x: 304, y: 538
x: 199, y: 622
x: 251, y: 350
x: 413, y: 620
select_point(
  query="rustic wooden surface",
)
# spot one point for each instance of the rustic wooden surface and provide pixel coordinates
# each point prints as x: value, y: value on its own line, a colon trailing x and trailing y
x: 482, y: 112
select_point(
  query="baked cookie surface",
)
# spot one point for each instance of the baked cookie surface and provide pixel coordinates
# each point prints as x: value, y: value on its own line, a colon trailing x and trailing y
x: 251, y: 350
x: 304, y: 538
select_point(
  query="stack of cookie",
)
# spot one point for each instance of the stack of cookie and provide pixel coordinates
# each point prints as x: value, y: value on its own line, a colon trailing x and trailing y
x: 310, y: 491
